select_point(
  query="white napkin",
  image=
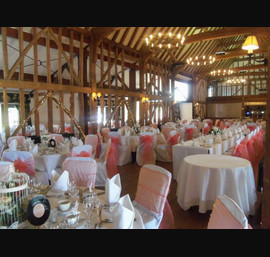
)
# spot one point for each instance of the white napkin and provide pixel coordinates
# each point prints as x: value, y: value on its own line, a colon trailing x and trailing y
x: 79, y: 142
x: 34, y: 151
x: 123, y: 214
x: 113, y: 189
x: 54, y: 176
x: 13, y: 145
x: 60, y: 185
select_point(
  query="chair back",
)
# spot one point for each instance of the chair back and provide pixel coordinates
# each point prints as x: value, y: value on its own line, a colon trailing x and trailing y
x: 226, y: 214
x: 20, y: 140
x: 145, y: 150
x: 105, y: 131
x: 82, y: 151
x: 82, y: 169
x: 23, y: 161
x: 165, y: 130
x: 57, y: 137
x: 93, y: 141
x: 153, y: 187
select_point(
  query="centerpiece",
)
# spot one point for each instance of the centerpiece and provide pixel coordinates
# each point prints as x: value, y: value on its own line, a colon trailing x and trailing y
x: 215, y: 131
x: 13, y: 193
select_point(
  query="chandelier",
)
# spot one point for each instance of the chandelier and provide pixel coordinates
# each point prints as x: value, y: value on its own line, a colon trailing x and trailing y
x: 235, y: 81
x: 221, y: 72
x: 164, y: 41
x: 202, y: 60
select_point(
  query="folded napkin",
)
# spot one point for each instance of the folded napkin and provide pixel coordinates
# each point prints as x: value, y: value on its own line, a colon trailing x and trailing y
x: 34, y: 151
x: 123, y: 214
x: 79, y: 142
x: 113, y: 189
x: 60, y: 184
x: 13, y: 145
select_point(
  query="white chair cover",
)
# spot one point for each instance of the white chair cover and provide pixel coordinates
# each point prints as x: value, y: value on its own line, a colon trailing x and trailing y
x: 123, y: 149
x: 226, y: 214
x: 20, y: 140
x: 145, y: 153
x: 151, y: 195
x: 57, y: 137
x: 93, y: 141
x: 82, y: 151
x: 101, y: 175
x: 82, y: 169
x: 23, y: 161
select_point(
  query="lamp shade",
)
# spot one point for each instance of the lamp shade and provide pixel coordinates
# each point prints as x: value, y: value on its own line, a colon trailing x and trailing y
x: 250, y: 44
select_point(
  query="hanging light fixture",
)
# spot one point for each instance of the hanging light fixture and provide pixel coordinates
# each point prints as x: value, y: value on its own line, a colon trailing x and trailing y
x: 221, y: 72
x: 201, y: 60
x: 164, y: 41
x: 250, y: 44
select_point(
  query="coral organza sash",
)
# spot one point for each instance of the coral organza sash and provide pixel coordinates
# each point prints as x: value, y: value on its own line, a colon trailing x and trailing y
x: 156, y: 191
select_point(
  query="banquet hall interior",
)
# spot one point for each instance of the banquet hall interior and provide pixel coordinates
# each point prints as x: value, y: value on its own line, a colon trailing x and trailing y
x: 134, y: 127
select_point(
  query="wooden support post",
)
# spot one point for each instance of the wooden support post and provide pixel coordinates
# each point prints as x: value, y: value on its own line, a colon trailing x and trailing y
x: 36, y: 101
x: 22, y: 109
x: 6, y: 119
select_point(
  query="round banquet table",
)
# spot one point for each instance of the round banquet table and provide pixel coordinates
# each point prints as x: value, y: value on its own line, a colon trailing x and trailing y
x: 203, y: 177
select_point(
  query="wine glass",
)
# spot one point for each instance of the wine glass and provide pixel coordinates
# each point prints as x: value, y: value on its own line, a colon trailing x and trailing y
x: 88, y: 202
x: 72, y: 187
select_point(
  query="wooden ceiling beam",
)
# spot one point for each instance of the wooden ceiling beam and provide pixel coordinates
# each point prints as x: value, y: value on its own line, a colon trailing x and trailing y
x: 226, y: 32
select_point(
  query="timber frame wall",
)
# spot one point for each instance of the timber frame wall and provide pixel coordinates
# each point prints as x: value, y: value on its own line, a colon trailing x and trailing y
x: 154, y: 77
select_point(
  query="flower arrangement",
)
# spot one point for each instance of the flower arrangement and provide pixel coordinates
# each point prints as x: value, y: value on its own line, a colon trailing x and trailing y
x: 214, y: 131
x: 136, y: 128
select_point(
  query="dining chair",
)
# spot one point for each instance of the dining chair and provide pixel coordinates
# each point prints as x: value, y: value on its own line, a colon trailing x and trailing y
x: 226, y: 214
x: 164, y: 151
x: 151, y: 194
x: 57, y: 137
x: 121, y: 148
x: 145, y: 153
x: 165, y: 130
x: 23, y: 161
x: 104, y: 131
x: 82, y: 169
x: 20, y: 140
x: 104, y: 169
x: 92, y: 140
x: 82, y: 151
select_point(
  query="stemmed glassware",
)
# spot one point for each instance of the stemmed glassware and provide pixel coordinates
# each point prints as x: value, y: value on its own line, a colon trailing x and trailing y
x: 92, y: 206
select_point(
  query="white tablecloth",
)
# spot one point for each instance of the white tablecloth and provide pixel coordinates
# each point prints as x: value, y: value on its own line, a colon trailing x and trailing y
x: 203, y: 177
x: 138, y: 222
x: 48, y: 162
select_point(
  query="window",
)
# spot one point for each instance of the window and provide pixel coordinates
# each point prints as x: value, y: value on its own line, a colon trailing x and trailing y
x: 181, y: 91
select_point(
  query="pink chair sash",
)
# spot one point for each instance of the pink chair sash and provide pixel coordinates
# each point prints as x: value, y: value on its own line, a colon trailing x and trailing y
x: 147, y: 149
x: 25, y: 165
x: 189, y: 132
x: 206, y: 130
x: 167, y: 221
x: 152, y: 189
x: 113, y: 157
x: 241, y: 151
x: 173, y: 140
x: 222, y: 218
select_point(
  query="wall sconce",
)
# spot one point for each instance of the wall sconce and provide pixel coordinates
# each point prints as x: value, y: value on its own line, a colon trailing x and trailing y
x: 96, y: 96
x: 145, y: 99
